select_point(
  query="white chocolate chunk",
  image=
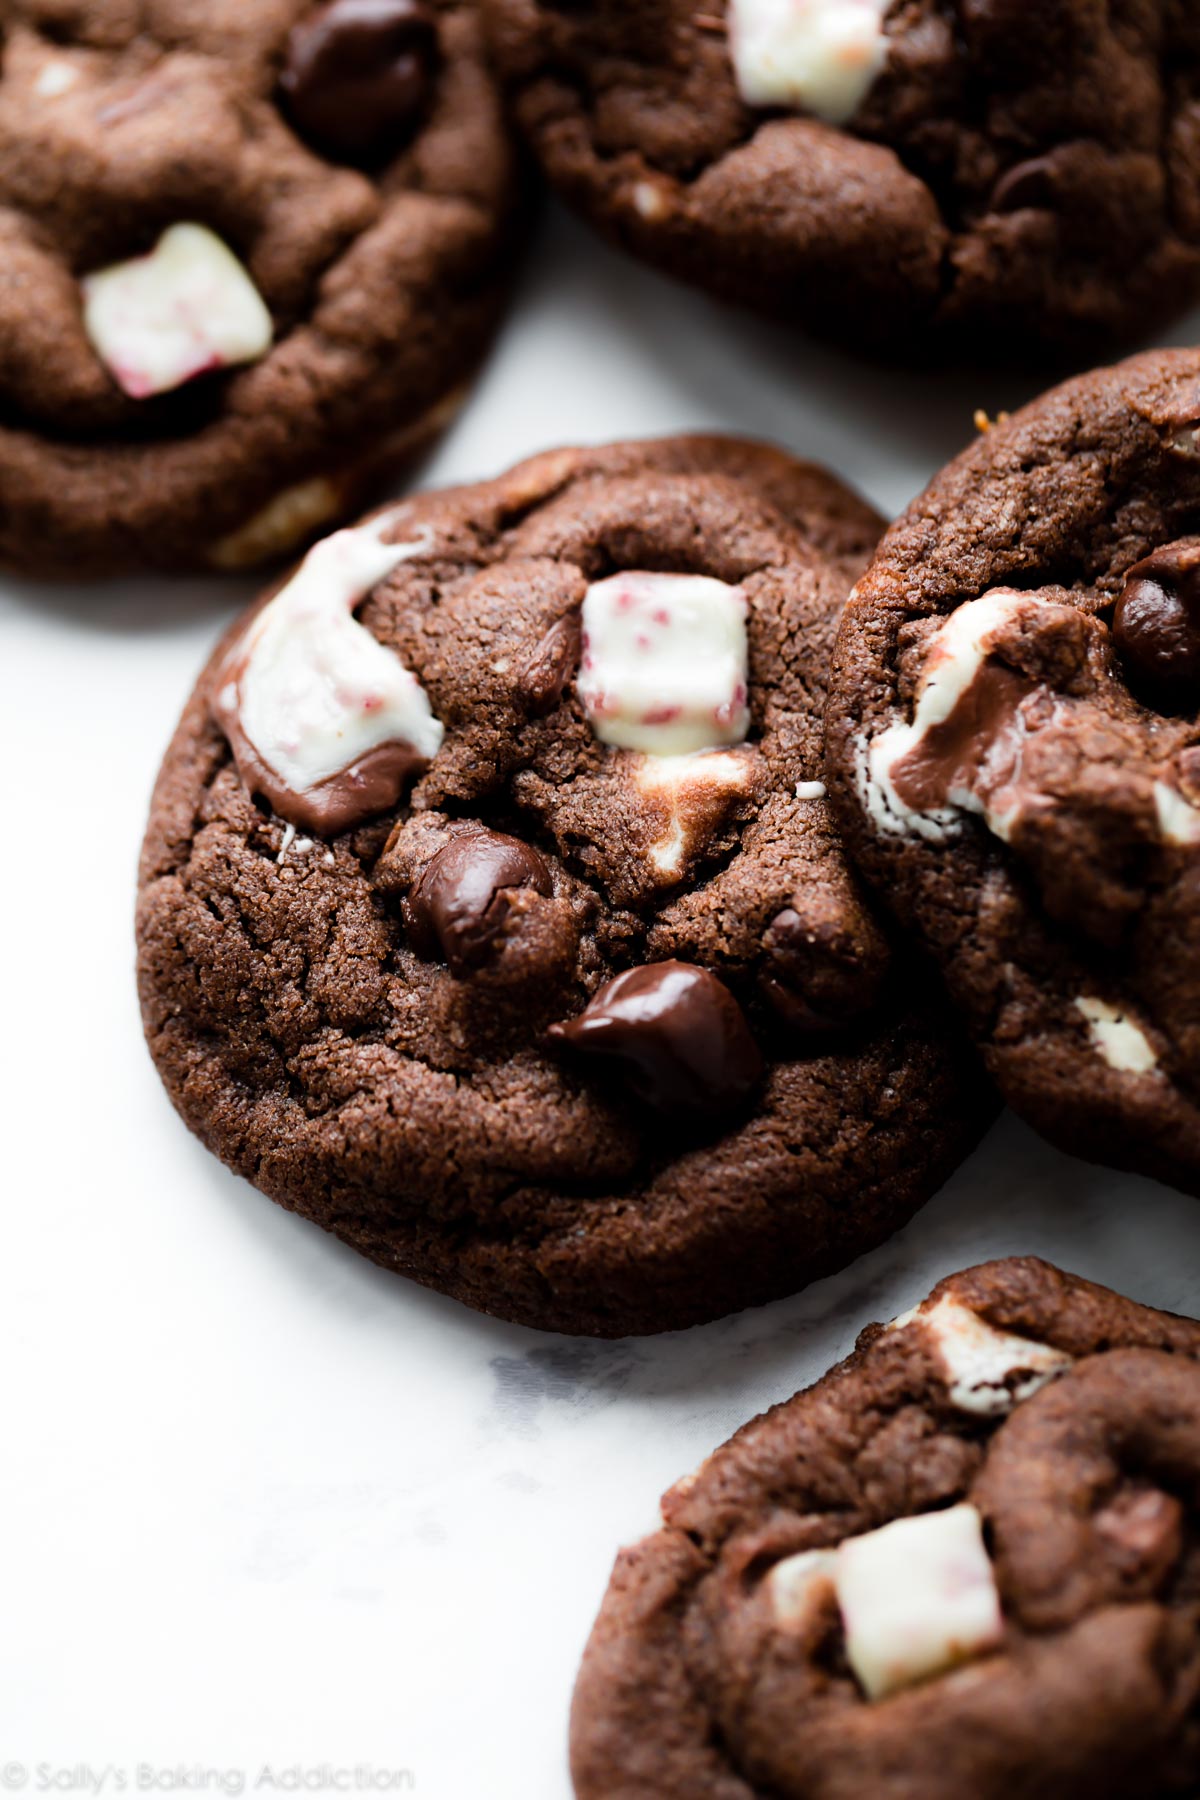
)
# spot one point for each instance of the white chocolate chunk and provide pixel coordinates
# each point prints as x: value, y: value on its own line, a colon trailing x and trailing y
x: 664, y: 661
x: 917, y: 1597
x: 810, y: 790
x: 798, y: 1584
x: 651, y: 201
x: 955, y: 657
x: 980, y: 1361
x: 55, y: 78
x: 821, y: 55
x: 187, y: 307
x: 1121, y: 1042
x: 1178, y: 819
x: 315, y: 691
x: 669, y: 852
x: 682, y: 784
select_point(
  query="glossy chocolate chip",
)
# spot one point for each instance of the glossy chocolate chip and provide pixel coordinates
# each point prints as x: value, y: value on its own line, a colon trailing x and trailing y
x: 358, y: 75
x: 821, y: 974
x: 553, y: 663
x: 1156, y: 624
x: 462, y: 897
x: 679, y: 1033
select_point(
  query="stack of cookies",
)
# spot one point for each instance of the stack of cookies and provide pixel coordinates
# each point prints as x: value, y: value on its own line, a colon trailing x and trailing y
x: 622, y: 891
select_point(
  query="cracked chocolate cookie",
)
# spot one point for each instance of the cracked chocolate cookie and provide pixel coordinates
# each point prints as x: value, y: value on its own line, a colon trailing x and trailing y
x: 928, y: 177
x: 492, y: 915
x: 964, y: 1563
x: 1014, y: 749
x: 250, y: 253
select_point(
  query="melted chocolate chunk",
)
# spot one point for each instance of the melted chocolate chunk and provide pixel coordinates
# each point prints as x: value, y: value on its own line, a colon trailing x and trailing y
x: 552, y: 665
x: 982, y: 732
x: 1157, y: 621
x: 359, y: 74
x: 678, y: 1031
x: 462, y: 897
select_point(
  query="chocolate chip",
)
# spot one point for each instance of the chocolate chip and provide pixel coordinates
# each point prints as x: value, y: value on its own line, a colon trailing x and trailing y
x: 1157, y: 620
x: 358, y: 75
x: 678, y: 1031
x: 462, y: 897
x: 546, y: 674
x: 822, y: 974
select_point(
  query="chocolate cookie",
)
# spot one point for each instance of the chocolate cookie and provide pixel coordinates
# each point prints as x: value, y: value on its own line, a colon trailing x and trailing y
x: 503, y: 930
x: 965, y: 1563
x: 250, y: 251
x: 1015, y: 751
x: 926, y: 176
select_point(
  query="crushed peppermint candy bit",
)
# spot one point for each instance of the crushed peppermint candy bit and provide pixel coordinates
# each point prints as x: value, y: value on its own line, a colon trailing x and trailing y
x: 664, y: 663
x: 187, y: 307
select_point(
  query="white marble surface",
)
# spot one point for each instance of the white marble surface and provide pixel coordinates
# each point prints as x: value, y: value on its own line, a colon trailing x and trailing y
x: 266, y: 1509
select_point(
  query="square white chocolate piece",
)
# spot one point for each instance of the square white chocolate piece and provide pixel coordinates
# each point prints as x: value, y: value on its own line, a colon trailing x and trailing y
x: 187, y: 307
x: 917, y: 1598
x: 664, y: 663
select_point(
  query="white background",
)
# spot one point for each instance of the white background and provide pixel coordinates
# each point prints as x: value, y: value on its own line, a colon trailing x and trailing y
x: 262, y: 1506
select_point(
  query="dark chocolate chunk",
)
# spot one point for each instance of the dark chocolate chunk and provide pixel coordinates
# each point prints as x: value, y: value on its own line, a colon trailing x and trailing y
x: 1157, y: 621
x: 359, y: 74
x: 462, y: 897
x: 680, y: 1033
